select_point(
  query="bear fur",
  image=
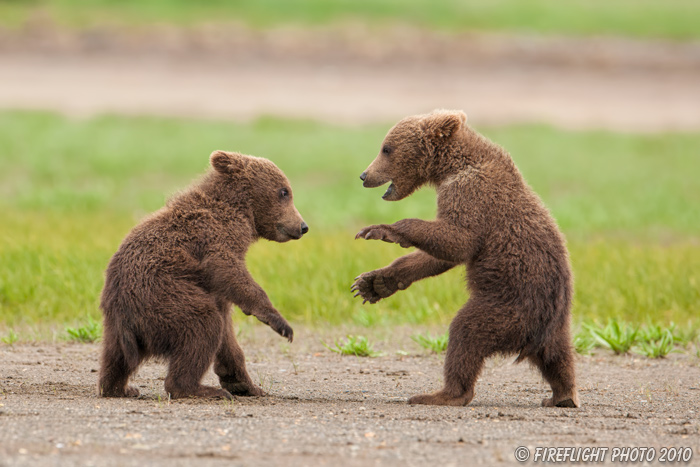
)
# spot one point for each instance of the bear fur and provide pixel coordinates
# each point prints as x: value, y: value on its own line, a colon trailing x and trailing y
x: 169, y: 287
x: 489, y: 220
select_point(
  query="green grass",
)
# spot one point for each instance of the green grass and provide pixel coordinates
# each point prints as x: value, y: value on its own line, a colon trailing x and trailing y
x: 618, y: 337
x: 652, y: 340
x: 436, y: 344
x: 10, y: 338
x: 358, y: 346
x: 640, y: 18
x: 657, y: 348
x: 584, y: 343
x: 596, y: 183
x: 89, y: 332
x: 71, y: 190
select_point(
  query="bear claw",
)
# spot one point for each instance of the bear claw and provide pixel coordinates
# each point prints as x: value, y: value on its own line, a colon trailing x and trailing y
x: 567, y: 402
x: 129, y: 391
x: 242, y: 389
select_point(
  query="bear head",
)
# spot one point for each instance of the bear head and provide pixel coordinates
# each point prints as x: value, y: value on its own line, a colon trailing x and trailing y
x: 268, y: 191
x: 409, y: 150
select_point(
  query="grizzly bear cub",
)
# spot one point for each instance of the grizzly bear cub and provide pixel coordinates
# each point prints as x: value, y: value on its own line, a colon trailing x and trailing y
x: 169, y: 288
x: 491, y: 221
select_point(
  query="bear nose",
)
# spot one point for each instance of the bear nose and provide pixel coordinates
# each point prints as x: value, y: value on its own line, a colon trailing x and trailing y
x: 304, y: 228
x: 363, y: 176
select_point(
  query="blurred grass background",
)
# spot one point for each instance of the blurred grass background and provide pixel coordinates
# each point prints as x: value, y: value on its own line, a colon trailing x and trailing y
x: 673, y: 19
x: 72, y: 189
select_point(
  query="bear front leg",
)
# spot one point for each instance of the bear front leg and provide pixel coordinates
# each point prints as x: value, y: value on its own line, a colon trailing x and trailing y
x: 267, y: 314
x: 438, y: 238
x: 192, y: 351
x: 374, y: 285
x: 381, y: 283
x: 229, y: 365
x: 253, y: 300
x: 229, y: 279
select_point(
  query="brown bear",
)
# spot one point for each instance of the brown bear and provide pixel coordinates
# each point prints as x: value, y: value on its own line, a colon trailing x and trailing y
x: 169, y: 288
x: 491, y: 221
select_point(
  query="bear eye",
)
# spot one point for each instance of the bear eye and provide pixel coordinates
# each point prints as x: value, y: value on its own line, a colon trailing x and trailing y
x: 284, y: 193
x: 386, y: 150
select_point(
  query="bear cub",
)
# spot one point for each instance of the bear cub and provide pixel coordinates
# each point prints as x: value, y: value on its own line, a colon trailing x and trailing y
x: 169, y: 287
x: 489, y: 220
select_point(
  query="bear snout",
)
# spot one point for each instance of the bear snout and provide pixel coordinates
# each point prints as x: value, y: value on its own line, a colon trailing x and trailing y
x: 292, y: 232
x: 363, y: 175
x: 373, y: 181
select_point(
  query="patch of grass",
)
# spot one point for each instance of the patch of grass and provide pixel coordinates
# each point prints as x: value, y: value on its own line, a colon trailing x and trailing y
x: 436, y: 344
x: 635, y: 282
x: 656, y: 345
x: 10, y: 338
x: 650, y: 339
x: 584, y: 343
x: 89, y: 332
x: 618, y: 337
x: 683, y: 335
x: 354, y: 345
x: 640, y: 18
x: 72, y: 189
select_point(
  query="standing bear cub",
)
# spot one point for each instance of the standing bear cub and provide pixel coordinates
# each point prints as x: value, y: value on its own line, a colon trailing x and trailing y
x: 489, y: 220
x: 169, y: 288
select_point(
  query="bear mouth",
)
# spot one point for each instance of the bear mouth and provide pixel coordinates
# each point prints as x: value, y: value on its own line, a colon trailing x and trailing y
x: 389, y: 191
x: 284, y: 235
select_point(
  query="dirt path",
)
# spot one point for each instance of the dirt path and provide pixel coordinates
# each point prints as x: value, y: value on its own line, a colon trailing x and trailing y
x: 612, y: 84
x: 325, y: 409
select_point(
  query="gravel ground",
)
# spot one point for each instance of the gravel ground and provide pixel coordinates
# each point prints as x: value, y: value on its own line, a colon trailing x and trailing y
x: 327, y: 409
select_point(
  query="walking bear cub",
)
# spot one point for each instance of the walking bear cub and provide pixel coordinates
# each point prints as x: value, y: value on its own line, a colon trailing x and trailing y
x: 169, y: 288
x: 489, y: 220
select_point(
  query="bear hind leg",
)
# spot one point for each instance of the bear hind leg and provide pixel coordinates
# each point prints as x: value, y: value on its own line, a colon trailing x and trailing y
x: 558, y: 371
x: 116, y: 368
x: 463, y: 363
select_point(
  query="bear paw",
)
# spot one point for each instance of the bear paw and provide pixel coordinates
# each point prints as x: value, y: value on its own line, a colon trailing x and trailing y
x: 385, y: 233
x: 373, y: 286
x: 242, y: 389
x: 281, y: 327
x: 131, y: 391
x: 570, y: 402
x: 128, y: 391
x: 440, y: 398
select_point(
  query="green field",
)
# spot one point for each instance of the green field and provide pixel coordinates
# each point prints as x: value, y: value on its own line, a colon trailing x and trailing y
x: 675, y: 19
x: 71, y: 190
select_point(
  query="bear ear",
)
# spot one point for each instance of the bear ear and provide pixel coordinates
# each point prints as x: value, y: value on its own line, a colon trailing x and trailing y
x: 227, y: 162
x: 444, y: 123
